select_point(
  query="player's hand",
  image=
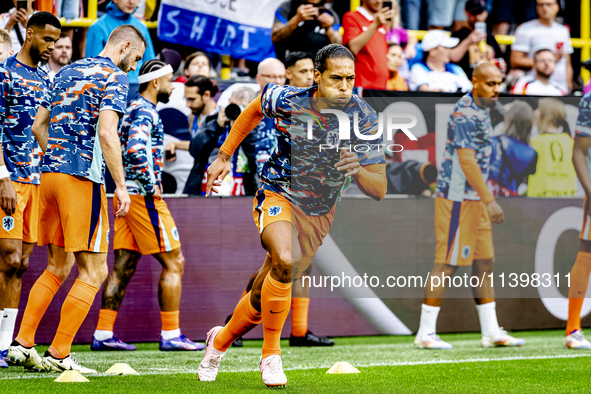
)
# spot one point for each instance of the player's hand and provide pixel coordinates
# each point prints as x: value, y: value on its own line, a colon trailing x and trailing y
x: 306, y: 12
x: 7, y: 196
x: 349, y: 162
x: 171, y: 147
x: 157, y: 192
x: 495, y: 212
x: 383, y: 15
x: 123, y: 202
x: 326, y: 20
x: 217, y: 171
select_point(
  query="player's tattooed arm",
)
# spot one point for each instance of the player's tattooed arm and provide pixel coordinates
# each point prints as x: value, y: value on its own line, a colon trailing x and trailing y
x: 116, y: 285
x: 41, y: 127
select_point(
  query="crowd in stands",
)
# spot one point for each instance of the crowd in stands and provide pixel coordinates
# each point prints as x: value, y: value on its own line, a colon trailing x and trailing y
x: 389, y: 56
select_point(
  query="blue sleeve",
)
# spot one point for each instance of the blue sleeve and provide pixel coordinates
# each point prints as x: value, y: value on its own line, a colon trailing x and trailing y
x: 115, y: 96
x: 583, y: 127
x: 275, y: 101
x: 94, y: 40
x: 462, y: 129
x: 4, y: 82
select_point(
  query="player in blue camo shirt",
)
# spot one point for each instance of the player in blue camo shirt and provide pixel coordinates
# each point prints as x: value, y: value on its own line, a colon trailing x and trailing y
x: 76, y: 125
x: 22, y: 86
x: 148, y: 228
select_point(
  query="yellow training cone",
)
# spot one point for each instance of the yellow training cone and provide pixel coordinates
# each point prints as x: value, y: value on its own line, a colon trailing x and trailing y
x: 122, y: 369
x: 342, y: 367
x: 71, y: 376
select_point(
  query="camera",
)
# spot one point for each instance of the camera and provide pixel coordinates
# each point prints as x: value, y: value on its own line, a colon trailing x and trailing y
x: 233, y: 111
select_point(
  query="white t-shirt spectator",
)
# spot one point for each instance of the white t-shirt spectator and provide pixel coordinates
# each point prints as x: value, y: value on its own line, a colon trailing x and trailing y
x: 529, y: 85
x: 452, y: 79
x: 532, y: 36
x: 16, y: 44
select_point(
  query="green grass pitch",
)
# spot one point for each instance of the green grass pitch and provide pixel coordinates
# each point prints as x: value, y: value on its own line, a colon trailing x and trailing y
x: 387, y: 364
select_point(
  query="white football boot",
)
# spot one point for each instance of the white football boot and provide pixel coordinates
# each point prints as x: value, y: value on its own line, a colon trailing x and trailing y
x: 272, y: 371
x: 68, y: 363
x: 576, y: 340
x: 209, y: 367
x: 431, y: 341
x: 502, y: 339
x: 26, y: 357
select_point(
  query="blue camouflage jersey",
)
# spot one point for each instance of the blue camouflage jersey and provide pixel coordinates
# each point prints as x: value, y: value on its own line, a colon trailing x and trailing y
x: 266, y: 141
x: 80, y: 91
x: 142, y: 137
x: 21, y: 91
x: 583, y: 127
x: 470, y: 127
x: 297, y: 168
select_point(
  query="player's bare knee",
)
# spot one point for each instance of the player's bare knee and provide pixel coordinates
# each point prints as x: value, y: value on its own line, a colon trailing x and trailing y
x: 282, y: 264
x: 24, y: 266
x: 484, y: 266
x: 12, y: 259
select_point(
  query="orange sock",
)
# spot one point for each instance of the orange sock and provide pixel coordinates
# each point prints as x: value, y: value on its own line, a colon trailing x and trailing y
x: 579, y: 280
x: 244, y: 319
x: 74, y: 311
x: 106, y: 320
x: 40, y: 297
x: 299, y: 316
x: 275, y: 302
x: 170, y: 320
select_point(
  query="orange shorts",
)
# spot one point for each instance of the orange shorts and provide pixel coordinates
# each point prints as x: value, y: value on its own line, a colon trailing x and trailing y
x: 270, y: 207
x: 73, y: 213
x: 463, y: 232
x: 147, y: 228
x: 23, y: 224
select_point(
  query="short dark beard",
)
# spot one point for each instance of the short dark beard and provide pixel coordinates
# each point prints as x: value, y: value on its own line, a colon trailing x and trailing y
x: 163, y: 97
x: 124, y: 63
x: 35, y: 54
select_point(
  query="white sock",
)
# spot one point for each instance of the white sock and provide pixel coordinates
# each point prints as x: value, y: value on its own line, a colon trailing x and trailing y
x: 168, y: 335
x: 7, y: 327
x: 103, y: 335
x: 428, y: 320
x: 488, y: 319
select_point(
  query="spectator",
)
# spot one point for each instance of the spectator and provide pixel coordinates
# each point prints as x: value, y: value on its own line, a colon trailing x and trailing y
x: 395, y: 60
x: 304, y: 26
x: 299, y: 69
x: 119, y: 12
x: 196, y: 63
x: 15, y: 22
x: 555, y: 174
x: 60, y: 56
x: 269, y: 70
x: 436, y: 73
x: 5, y: 45
x: 505, y: 12
x: 444, y: 13
x: 513, y: 159
x: 538, y: 82
x: 204, y: 147
x: 399, y: 35
x: 545, y: 32
x: 411, y: 13
x: 199, y: 93
x: 365, y: 35
x: 470, y: 51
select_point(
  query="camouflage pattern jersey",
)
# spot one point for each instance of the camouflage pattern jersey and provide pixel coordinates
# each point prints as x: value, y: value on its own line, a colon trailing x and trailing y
x: 21, y: 91
x: 298, y: 169
x: 80, y: 92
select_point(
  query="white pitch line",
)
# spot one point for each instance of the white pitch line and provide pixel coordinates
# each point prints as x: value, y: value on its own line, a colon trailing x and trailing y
x: 164, y: 371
